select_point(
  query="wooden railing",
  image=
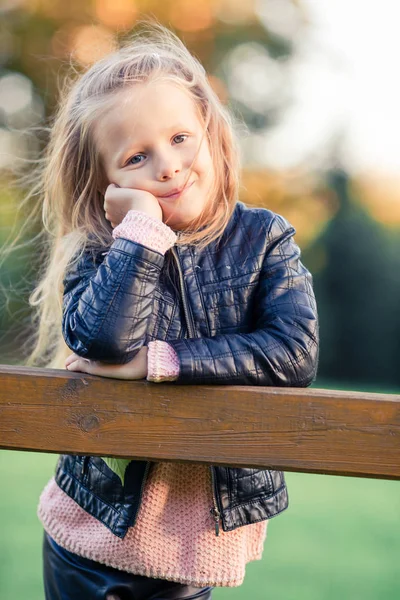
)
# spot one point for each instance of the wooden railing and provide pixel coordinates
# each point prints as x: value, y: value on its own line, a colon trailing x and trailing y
x: 293, y: 429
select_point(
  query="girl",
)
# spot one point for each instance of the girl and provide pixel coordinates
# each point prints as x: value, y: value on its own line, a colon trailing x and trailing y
x: 164, y: 276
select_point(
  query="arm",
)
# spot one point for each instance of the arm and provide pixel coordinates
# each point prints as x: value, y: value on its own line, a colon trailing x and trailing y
x: 282, y: 350
x: 107, y: 307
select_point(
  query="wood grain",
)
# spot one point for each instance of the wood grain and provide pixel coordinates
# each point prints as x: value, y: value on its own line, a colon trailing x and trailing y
x: 294, y: 429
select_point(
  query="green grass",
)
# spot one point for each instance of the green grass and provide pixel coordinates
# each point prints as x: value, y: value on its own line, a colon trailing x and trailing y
x: 340, y: 538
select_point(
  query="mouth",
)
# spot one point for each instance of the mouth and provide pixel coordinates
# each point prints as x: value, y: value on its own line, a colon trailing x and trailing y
x: 177, y: 192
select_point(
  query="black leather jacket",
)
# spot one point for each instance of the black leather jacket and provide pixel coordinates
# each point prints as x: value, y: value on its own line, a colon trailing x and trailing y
x: 242, y: 311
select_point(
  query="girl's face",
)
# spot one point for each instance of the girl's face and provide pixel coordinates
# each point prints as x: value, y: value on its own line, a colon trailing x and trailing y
x: 149, y: 139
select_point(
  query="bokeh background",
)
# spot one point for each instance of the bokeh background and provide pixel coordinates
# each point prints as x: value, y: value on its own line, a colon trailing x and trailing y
x: 316, y: 84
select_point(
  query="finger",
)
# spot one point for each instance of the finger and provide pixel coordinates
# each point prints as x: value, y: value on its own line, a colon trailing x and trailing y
x: 83, y: 365
x: 110, y: 187
x: 112, y: 191
x: 72, y: 358
x: 78, y: 365
x: 92, y: 367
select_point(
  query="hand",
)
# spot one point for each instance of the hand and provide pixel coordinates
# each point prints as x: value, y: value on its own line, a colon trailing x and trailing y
x: 118, y: 201
x: 134, y: 369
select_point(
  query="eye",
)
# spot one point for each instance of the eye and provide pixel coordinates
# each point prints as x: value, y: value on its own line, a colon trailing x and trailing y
x: 134, y: 160
x: 179, y: 137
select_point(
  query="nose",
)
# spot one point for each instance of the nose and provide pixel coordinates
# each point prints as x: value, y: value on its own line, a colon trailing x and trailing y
x: 168, y: 167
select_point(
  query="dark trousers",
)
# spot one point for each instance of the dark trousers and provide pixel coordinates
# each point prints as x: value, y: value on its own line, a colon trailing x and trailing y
x: 68, y: 576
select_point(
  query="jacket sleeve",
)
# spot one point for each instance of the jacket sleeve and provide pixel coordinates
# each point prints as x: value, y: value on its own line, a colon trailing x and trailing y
x: 108, y: 303
x: 283, y: 348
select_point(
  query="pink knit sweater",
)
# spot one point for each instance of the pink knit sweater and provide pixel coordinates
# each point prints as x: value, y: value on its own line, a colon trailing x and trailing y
x: 174, y: 536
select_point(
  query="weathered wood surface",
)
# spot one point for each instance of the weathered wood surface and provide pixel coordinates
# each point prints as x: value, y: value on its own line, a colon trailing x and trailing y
x: 307, y: 430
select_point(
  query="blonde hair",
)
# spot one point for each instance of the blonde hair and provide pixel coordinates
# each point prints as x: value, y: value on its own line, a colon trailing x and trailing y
x: 72, y: 174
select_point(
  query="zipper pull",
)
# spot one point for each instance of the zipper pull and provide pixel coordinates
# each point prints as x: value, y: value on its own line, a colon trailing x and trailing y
x: 214, y: 511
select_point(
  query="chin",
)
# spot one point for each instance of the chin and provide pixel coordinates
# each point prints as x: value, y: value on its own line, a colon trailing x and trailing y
x: 176, y: 223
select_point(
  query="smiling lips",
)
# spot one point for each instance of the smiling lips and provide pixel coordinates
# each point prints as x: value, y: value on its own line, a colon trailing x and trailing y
x: 177, y: 192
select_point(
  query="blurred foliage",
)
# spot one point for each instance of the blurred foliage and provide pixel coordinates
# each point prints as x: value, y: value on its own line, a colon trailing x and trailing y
x: 357, y: 285
x: 348, y: 230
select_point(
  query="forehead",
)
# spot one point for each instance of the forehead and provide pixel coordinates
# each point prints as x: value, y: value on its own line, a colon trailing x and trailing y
x: 143, y: 111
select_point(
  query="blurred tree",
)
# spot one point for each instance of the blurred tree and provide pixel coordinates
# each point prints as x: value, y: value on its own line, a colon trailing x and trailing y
x: 358, y: 292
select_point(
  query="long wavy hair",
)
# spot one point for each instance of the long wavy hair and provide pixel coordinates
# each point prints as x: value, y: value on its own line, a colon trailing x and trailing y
x: 72, y: 181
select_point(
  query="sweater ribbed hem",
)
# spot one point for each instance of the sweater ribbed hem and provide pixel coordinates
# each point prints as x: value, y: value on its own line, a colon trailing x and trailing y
x: 162, y: 361
x: 139, y: 227
x: 52, y: 528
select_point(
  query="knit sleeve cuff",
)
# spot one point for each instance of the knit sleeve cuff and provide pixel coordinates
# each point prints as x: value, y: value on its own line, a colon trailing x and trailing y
x: 162, y: 362
x: 139, y: 227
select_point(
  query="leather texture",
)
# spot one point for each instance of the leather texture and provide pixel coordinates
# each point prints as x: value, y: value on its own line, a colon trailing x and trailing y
x: 241, y: 312
x: 68, y: 576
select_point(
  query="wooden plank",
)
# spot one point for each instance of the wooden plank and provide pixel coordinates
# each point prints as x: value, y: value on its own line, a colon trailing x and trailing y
x: 294, y: 429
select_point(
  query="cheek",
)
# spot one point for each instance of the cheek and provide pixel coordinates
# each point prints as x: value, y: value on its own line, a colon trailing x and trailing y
x: 203, y: 165
x: 133, y: 179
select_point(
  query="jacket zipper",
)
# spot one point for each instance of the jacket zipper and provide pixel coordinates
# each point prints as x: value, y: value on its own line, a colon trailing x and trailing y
x: 189, y: 323
x: 214, y: 509
x: 190, y: 327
